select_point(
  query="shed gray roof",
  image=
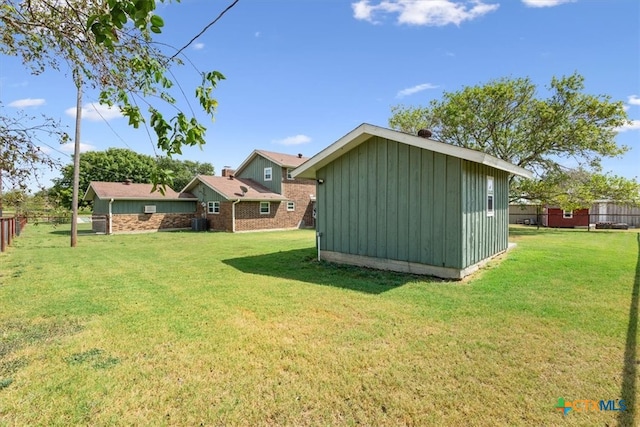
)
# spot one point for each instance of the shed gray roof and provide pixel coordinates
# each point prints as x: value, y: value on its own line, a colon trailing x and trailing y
x: 230, y: 188
x: 131, y: 191
x: 365, y: 131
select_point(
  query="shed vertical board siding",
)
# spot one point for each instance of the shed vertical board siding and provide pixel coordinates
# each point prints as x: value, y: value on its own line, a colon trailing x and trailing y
x: 392, y: 201
x: 363, y: 205
x: 391, y: 187
x: 415, y: 213
x: 345, y: 190
x: 502, y: 211
x: 453, y: 213
x: 255, y: 170
x: 372, y: 200
x: 321, y: 209
x: 438, y: 208
x: 162, y: 206
x: 483, y: 236
x: 331, y: 188
x: 426, y: 204
x: 353, y: 201
x: 381, y: 207
x: 404, y: 209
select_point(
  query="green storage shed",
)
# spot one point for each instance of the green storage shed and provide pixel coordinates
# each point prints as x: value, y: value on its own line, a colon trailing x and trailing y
x: 395, y: 201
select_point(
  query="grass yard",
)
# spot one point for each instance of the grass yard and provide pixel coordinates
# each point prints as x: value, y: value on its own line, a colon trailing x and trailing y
x: 248, y: 329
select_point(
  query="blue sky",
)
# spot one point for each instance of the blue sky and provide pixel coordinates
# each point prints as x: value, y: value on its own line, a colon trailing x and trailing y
x: 303, y: 73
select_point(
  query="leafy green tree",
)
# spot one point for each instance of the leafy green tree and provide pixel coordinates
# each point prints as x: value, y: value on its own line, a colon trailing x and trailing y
x: 183, y: 171
x: 20, y: 155
x: 109, y: 47
x: 578, y: 188
x: 509, y: 120
x: 120, y: 164
x: 112, y: 165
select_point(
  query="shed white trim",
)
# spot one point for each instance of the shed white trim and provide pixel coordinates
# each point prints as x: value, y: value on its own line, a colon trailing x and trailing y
x: 365, y: 131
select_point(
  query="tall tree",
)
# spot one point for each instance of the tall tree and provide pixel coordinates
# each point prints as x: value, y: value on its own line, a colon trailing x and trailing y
x: 507, y: 119
x: 21, y: 156
x: 22, y: 149
x: 112, y: 165
x: 577, y: 188
x: 109, y: 46
x: 183, y: 171
x: 120, y: 164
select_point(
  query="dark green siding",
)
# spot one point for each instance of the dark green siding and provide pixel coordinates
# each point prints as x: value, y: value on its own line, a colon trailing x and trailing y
x: 100, y: 207
x: 389, y: 200
x: 206, y: 194
x: 137, y: 206
x: 255, y: 170
x: 484, y: 236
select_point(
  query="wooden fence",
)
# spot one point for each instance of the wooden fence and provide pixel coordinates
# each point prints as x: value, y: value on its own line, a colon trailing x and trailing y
x: 10, y: 227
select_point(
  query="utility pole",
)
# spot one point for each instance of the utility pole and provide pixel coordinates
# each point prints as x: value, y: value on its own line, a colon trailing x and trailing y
x: 76, y: 162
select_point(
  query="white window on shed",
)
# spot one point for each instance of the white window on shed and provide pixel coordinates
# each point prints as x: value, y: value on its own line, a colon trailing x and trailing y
x: 490, y: 196
x: 268, y: 174
x: 567, y: 214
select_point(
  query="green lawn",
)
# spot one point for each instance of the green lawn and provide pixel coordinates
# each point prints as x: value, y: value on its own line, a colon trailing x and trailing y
x: 249, y: 329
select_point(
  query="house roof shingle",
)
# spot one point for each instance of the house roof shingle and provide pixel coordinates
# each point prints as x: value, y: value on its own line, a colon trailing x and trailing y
x: 131, y: 191
x: 230, y: 188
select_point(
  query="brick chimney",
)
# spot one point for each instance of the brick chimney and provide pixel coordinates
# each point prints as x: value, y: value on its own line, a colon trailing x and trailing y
x: 227, y: 171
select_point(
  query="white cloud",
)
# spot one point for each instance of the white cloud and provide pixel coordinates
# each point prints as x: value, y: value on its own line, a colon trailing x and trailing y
x: 545, y: 3
x: 257, y: 34
x: 69, y: 147
x: 634, y: 125
x: 198, y: 46
x: 634, y: 100
x: 419, y: 12
x: 27, y: 102
x: 294, y: 140
x: 415, y: 89
x: 95, y: 112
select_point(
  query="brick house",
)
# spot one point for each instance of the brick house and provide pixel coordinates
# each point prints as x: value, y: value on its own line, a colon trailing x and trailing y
x: 260, y: 194
x: 126, y: 207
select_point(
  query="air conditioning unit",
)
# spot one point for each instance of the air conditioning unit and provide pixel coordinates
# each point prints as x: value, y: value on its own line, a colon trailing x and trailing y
x: 150, y: 209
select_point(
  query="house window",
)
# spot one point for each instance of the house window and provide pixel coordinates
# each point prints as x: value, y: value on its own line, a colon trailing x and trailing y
x: 289, y: 173
x: 567, y: 214
x: 264, y: 208
x: 267, y: 174
x: 291, y: 206
x: 490, y: 200
x: 213, y: 207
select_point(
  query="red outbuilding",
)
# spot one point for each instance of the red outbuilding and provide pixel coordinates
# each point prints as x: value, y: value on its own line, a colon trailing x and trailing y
x: 559, y: 218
